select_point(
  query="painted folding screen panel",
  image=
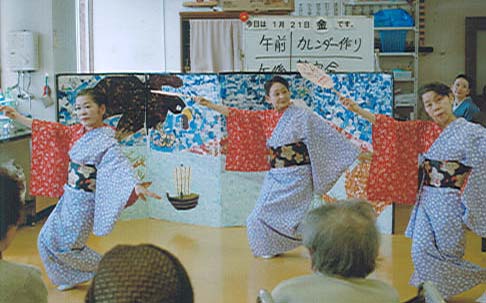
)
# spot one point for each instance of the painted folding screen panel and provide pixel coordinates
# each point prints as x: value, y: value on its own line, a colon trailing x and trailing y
x: 163, y: 136
x: 180, y: 147
x: 374, y: 91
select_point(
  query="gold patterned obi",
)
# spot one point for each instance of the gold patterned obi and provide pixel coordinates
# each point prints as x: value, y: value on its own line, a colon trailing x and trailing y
x: 289, y: 155
x: 82, y: 176
x: 437, y: 173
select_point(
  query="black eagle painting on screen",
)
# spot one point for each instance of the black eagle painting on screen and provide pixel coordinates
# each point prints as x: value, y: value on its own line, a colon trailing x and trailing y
x: 132, y: 98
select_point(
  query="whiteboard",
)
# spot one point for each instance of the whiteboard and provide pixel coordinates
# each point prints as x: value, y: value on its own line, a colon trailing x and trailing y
x: 336, y: 44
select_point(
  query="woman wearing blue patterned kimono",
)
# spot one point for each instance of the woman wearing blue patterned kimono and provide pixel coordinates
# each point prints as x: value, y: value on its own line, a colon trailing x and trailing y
x: 306, y: 156
x: 451, y: 192
x: 100, y: 182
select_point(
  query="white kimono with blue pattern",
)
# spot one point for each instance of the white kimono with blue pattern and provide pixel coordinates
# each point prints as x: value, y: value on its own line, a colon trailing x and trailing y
x: 62, y: 240
x: 439, y: 219
x: 286, y: 193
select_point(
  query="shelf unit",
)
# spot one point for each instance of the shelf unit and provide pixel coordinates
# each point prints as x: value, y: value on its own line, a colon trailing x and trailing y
x: 405, y: 88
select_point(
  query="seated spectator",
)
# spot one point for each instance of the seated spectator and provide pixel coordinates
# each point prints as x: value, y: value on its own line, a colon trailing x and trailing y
x: 463, y: 105
x: 18, y: 282
x: 343, y: 242
x: 141, y: 273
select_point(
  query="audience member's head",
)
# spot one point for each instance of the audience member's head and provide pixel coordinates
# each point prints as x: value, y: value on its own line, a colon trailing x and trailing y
x: 141, y: 273
x: 460, y: 87
x: 12, y: 195
x: 342, y: 238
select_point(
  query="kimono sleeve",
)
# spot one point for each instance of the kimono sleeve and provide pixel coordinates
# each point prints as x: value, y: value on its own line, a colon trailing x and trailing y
x: 247, y: 150
x: 50, y: 159
x: 115, y: 181
x: 394, y: 165
x: 474, y: 198
x: 330, y: 152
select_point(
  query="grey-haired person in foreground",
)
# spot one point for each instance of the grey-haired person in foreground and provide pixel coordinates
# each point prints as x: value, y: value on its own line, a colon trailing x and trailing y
x: 343, y: 242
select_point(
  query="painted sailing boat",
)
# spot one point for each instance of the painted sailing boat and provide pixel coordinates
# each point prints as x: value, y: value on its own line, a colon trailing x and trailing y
x: 184, y: 199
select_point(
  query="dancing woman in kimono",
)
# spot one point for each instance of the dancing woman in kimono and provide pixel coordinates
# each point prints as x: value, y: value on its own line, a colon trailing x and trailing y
x: 451, y: 155
x: 306, y: 156
x: 84, y: 165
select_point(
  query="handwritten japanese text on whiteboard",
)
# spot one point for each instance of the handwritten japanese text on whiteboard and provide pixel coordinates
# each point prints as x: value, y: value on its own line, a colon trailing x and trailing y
x: 276, y: 44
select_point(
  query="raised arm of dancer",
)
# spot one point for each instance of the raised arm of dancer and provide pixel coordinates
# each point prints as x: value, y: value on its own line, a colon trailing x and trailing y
x: 355, y: 108
x: 14, y: 115
x: 222, y: 109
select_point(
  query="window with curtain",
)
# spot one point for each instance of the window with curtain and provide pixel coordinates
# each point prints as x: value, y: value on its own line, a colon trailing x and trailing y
x: 215, y: 45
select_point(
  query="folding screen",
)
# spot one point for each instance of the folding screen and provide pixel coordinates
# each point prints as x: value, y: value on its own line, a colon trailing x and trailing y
x: 180, y: 147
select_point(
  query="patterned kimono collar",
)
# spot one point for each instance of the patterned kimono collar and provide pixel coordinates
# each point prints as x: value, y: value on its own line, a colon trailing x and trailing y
x: 458, y: 104
x: 436, y: 150
x: 282, y: 124
x: 85, y: 131
x: 458, y: 121
x: 104, y: 136
x: 291, y: 108
x: 102, y: 129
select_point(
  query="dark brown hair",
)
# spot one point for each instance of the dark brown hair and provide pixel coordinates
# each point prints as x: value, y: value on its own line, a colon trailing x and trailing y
x: 275, y: 79
x: 94, y: 95
x: 439, y: 88
x: 140, y: 273
x: 462, y: 76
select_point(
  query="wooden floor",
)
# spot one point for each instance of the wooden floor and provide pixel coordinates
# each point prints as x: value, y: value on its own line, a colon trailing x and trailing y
x: 220, y: 264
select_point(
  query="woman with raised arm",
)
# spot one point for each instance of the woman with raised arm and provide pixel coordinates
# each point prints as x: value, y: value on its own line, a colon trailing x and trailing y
x: 83, y: 165
x: 448, y: 157
x: 306, y: 155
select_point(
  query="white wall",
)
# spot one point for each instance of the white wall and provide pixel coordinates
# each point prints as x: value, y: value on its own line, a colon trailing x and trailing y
x: 43, y: 17
x: 34, y: 16
x: 128, y: 36
x: 173, y: 32
x: 173, y: 35
x: 137, y: 36
x: 445, y: 23
x: 64, y: 35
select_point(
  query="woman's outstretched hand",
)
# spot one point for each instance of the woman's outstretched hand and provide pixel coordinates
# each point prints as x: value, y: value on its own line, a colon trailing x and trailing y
x: 202, y: 101
x: 9, y: 112
x: 355, y: 108
x: 349, y: 103
x: 15, y: 115
x: 142, y: 191
x: 222, y: 109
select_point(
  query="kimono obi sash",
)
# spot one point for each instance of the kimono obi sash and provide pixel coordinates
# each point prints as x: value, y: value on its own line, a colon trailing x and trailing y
x: 436, y: 173
x: 289, y: 155
x: 82, y: 176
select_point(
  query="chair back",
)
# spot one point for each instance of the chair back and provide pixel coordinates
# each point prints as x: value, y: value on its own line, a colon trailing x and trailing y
x: 427, y: 293
x: 264, y: 296
x: 432, y: 295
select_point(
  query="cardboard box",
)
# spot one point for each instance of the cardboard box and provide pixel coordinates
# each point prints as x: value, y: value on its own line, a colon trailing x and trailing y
x: 257, y: 5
